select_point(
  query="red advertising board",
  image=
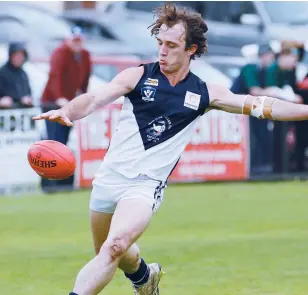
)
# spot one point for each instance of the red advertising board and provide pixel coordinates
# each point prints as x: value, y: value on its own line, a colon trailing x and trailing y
x: 218, y: 149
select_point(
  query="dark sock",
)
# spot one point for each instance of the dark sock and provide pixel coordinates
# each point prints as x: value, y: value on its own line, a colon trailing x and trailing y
x: 141, y: 276
x: 72, y: 293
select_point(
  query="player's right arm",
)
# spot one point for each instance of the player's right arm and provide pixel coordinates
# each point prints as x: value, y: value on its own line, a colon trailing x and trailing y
x: 86, y: 103
x: 262, y: 107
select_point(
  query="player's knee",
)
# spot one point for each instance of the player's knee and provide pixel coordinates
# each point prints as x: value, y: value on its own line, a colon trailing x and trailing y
x: 117, y: 246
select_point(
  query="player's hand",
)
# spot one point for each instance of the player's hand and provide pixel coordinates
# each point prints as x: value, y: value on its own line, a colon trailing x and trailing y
x: 26, y: 100
x: 6, y: 102
x: 58, y: 116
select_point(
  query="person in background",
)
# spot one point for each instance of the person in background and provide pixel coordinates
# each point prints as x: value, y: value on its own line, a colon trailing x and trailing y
x: 70, y: 70
x: 281, y: 75
x: 253, y: 75
x: 301, y: 131
x: 252, y: 80
x: 300, y: 128
x: 15, y: 89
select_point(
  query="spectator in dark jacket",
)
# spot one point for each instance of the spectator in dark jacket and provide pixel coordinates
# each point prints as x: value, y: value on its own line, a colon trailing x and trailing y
x: 15, y: 90
x: 282, y: 74
x: 252, y: 80
x: 300, y: 128
x: 301, y: 131
x: 252, y: 77
x: 70, y: 70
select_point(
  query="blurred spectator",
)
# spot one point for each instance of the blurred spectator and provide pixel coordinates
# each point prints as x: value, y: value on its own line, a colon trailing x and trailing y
x: 252, y: 80
x: 301, y: 130
x: 282, y: 74
x: 15, y: 90
x: 70, y: 70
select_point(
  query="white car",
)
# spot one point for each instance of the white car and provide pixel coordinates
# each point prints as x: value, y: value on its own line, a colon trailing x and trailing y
x: 209, y: 74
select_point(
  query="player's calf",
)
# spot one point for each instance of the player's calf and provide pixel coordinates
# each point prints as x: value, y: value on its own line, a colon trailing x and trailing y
x: 130, y: 262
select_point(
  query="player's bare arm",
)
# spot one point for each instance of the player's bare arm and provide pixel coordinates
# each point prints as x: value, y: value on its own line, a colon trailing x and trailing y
x: 262, y: 107
x: 86, y: 103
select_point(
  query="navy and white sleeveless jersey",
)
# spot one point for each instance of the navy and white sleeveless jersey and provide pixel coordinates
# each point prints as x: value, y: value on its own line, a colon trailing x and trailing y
x: 156, y: 124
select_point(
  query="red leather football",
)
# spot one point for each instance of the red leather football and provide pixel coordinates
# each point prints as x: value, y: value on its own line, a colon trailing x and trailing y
x: 51, y: 159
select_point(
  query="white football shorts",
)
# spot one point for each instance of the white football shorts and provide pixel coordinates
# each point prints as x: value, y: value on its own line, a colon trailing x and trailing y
x: 109, y: 187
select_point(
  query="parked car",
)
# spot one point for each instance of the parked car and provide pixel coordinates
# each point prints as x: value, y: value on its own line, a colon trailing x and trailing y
x: 12, y: 30
x: 37, y: 22
x: 31, y: 23
x: 107, y: 67
x: 229, y: 65
x: 209, y: 74
x: 132, y: 33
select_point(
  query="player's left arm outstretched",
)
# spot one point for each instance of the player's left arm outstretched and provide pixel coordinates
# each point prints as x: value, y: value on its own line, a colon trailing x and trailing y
x: 86, y: 103
x: 262, y: 107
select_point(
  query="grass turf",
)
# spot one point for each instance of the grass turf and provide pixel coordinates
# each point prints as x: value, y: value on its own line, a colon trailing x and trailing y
x: 212, y: 239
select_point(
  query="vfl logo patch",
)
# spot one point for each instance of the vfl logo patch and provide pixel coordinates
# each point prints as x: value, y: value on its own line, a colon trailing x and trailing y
x: 157, y: 127
x: 151, y: 82
x: 192, y: 100
x: 148, y: 93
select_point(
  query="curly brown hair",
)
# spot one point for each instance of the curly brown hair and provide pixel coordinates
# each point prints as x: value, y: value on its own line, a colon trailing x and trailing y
x: 170, y: 15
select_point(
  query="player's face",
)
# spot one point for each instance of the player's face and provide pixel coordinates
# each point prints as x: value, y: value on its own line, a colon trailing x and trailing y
x: 171, y: 48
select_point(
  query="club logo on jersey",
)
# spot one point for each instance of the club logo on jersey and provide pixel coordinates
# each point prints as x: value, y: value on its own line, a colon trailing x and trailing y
x: 148, y: 93
x: 192, y: 100
x: 157, y: 127
x: 151, y: 82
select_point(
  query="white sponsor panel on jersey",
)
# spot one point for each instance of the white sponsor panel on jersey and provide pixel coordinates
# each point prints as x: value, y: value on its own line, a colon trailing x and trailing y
x: 151, y: 82
x: 192, y: 100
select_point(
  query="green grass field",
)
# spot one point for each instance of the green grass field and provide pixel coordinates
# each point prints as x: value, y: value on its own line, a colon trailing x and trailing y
x: 212, y: 239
